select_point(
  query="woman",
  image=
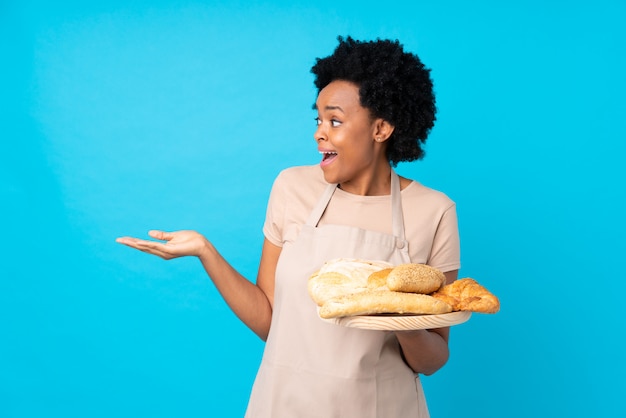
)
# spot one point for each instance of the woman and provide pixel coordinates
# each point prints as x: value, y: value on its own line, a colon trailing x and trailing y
x: 375, y: 108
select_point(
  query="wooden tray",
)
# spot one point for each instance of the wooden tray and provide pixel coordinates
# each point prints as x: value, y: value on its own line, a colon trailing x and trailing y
x: 401, y: 322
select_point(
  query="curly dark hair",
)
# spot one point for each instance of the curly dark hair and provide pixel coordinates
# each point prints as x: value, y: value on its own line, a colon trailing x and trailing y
x: 393, y: 84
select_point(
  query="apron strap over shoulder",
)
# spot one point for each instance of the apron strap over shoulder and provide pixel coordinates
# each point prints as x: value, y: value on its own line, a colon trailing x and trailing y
x: 397, y: 218
x: 397, y: 226
x: 320, y: 207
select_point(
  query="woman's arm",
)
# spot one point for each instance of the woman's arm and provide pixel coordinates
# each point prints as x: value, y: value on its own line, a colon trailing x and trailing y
x: 252, y: 303
x: 426, y: 351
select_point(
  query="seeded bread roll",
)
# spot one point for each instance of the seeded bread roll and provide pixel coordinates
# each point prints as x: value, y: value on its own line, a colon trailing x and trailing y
x: 381, y: 302
x: 415, y: 278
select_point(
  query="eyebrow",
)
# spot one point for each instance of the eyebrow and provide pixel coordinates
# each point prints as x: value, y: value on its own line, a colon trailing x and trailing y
x: 330, y: 108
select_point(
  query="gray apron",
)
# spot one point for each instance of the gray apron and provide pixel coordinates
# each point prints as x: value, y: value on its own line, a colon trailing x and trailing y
x: 312, y: 368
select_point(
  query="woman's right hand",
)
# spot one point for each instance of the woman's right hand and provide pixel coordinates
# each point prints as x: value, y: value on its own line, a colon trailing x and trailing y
x: 177, y: 244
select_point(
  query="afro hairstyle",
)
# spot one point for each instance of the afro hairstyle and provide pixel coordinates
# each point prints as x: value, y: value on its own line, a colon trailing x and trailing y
x: 393, y: 84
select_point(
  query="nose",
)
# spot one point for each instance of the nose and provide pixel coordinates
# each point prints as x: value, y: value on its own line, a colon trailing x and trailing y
x: 319, y: 133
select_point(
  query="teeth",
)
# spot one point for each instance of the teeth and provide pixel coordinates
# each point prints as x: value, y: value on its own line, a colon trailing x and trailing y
x: 327, y: 152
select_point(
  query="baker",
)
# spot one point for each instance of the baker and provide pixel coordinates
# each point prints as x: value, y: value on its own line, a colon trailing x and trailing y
x: 375, y: 108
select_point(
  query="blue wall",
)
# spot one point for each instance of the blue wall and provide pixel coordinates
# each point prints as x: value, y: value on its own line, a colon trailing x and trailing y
x: 118, y: 118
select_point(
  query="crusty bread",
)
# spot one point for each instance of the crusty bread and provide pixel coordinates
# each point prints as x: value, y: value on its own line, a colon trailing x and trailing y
x: 357, y: 268
x: 348, y: 287
x: 378, y: 279
x: 468, y: 295
x: 341, y: 276
x: 329, y: 285
x: 415, y: 278
x: 380, y: 302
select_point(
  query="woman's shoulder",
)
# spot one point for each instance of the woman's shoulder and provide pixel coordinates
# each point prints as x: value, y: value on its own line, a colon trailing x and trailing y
x: 416, y: 191
x: 299, y: 182
x: 302, y: 176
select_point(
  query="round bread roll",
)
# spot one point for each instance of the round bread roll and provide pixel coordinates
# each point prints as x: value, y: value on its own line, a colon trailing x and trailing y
x: 415, y: 278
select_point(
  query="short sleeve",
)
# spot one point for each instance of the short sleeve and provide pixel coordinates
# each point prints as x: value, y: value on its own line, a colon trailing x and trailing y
x: 275, y: 214
x: 446, y: 250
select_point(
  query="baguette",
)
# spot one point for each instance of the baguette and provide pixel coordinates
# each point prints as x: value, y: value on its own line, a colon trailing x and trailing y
x: 381, y: 302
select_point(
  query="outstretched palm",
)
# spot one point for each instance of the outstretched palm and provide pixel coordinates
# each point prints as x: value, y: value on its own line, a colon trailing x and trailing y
x: 177, y: 244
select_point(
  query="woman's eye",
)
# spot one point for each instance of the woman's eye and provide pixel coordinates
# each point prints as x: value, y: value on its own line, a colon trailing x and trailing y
x: 333, y: 122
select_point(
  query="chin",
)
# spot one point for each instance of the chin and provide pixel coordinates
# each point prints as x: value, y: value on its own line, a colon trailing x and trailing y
x: 330, y: 176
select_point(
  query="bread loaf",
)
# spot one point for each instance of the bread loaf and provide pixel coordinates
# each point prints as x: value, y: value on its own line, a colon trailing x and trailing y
x: 340, y: 277
x: 350, y: 287
x: 380, y: 302
x: 378, y: 279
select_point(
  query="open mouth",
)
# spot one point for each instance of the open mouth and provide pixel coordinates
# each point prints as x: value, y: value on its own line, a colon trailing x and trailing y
x: 328, y: 157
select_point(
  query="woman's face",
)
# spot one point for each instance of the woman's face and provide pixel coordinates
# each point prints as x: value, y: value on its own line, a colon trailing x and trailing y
x: 346, y: 135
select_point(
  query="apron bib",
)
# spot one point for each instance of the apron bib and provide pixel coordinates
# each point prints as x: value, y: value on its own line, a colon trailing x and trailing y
x: 311, y: 368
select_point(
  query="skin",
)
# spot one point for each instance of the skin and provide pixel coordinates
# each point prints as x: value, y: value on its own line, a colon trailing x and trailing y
x: 347, y: 128
x: 359, y: 167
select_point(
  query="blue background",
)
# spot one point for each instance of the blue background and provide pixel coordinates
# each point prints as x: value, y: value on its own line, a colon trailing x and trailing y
x: 119, y: 117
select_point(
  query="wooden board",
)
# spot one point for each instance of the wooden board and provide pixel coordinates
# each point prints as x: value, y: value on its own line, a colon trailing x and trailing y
x: 401, y: 322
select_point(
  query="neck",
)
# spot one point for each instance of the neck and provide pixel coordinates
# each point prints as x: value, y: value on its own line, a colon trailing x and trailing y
x: 375, y: 182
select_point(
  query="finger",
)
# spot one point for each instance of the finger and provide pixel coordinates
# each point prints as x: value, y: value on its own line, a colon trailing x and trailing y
x: 161, y: 235
x: 148, y: 247
x: 154, y: 251
x: 126, y: 240
x: 140, y: 244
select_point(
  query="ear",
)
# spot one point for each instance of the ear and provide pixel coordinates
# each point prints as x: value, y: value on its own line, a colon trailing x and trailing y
x: 382, y: 130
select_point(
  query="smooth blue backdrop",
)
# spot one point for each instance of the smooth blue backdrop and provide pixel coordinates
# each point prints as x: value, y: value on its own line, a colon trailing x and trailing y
x: 118, y: 117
